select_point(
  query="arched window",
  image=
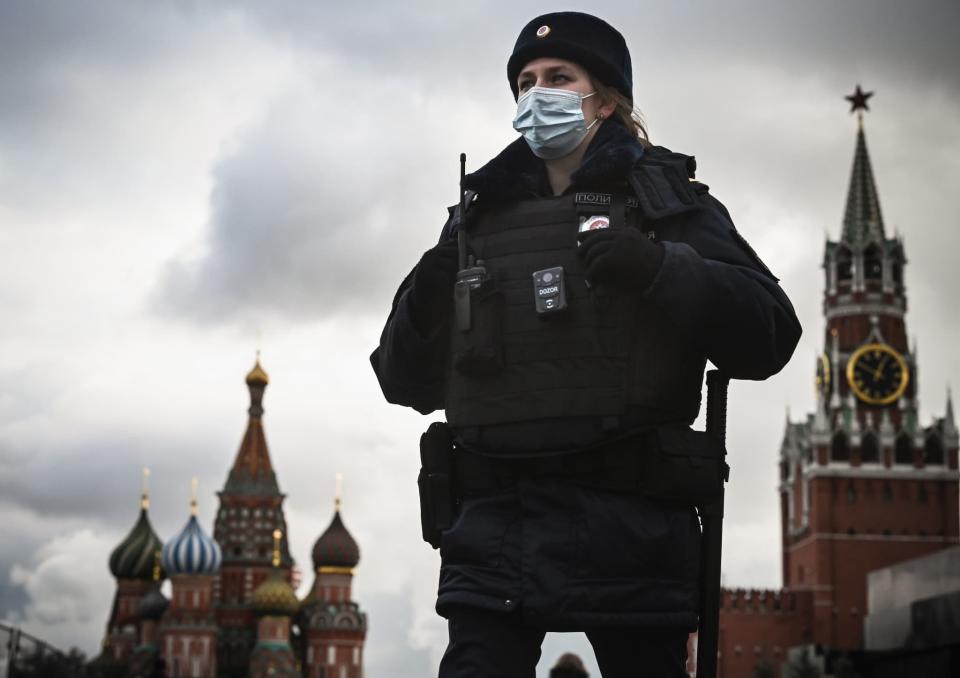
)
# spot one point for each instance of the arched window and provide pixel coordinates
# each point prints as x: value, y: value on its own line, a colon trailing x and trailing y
x: 840, y: 449
x: 869, y: 450
x: 933, y: 451
x: 844, y: 265
x: 872, y: 263
x: 903, y: 452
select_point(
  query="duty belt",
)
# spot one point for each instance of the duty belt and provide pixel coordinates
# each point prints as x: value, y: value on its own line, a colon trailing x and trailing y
x: 617, y: 468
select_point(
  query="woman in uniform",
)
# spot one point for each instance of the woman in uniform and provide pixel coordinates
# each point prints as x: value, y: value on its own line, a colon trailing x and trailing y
x: 599, y: 279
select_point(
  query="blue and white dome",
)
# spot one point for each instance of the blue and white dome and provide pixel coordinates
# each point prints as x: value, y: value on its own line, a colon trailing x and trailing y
x: 191, y: 552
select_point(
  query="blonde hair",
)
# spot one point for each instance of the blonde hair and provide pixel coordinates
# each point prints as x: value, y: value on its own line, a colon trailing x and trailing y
x: 628, y: 114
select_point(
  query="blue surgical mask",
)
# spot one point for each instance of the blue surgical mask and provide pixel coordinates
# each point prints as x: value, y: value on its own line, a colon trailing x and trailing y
x: 551, y: 120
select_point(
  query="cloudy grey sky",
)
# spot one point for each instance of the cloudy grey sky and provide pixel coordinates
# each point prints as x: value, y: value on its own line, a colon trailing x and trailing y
x: 182, y: 182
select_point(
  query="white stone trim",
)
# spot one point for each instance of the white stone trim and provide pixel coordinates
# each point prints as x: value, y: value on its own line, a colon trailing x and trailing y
x: 842, y: 536
x: 843, y: 310
x: 840, y: 469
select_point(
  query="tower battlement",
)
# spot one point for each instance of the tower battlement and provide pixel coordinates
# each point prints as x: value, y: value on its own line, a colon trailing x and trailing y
x: 766, y: 601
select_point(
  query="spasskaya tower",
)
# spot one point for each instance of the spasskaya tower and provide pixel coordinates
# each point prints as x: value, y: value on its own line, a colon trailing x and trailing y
x: 863, y: 484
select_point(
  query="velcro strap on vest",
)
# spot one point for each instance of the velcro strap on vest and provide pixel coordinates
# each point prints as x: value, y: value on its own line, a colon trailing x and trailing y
x: 662, y: 190
x: 618, y: 211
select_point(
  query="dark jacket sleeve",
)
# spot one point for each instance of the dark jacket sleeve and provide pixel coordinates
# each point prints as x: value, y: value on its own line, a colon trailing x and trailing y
x: 409, y: 363
x: 717, y: 291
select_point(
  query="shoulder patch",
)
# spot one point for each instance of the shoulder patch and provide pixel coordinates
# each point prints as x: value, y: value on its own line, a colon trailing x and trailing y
x: 663, y: 189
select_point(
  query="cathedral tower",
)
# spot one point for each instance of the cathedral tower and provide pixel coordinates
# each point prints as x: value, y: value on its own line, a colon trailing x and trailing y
x: 150, y: 609
x: 863, y: 484
x: 188, y: 630
x: 332, y: 624
x: 132, y: 563
x: 251, y: 508
x: 274, y: 603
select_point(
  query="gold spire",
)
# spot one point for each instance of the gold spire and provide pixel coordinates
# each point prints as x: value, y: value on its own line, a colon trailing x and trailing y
x: 145, y: 490
x: 193, y: 496
x: 156, y: 565
x: 338, y: 500
x: 277, y: 536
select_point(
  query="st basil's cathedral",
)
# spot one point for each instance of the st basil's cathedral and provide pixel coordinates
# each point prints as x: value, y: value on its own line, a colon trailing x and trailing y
x: 233, y: 611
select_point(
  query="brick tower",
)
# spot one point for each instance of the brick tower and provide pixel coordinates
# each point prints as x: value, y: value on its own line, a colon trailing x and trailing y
x: 863, y: 484
x: 332, y: 624
x: 132, y: 564
x: 150, y: 608
x: 251, y: 508
x: 274, y: 603
x: 188, y: 631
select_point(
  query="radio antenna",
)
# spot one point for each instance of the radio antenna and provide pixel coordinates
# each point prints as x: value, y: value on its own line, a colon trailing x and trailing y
x: 461, y: 231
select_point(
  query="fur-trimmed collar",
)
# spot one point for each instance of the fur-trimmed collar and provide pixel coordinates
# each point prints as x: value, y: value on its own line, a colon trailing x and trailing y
x: 516, y: 173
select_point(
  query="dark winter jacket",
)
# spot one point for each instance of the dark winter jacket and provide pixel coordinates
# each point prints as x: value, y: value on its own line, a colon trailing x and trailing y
x: 572, y: 556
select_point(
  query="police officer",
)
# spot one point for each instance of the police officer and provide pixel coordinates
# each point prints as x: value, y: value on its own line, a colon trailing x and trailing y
x: 602, y: 277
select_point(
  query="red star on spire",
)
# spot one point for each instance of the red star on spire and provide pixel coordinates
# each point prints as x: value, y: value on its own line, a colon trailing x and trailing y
x: 858, y: 100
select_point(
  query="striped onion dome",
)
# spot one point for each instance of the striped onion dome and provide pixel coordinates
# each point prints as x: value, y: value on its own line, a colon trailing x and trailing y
x: 275, y: 597
x: 191, y: 552
x: 134, y: 557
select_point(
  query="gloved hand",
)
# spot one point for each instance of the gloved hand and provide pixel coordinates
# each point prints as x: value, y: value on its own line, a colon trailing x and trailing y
x: 624, y: 257
x: 431, y: 294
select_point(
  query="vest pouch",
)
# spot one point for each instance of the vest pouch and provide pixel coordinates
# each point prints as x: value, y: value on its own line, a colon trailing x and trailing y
x: 438, y: 495
x: 478, y: 352
x: 683, y: 467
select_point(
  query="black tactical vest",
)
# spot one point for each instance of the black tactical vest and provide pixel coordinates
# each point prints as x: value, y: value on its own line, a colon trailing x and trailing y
x: 611, y: 354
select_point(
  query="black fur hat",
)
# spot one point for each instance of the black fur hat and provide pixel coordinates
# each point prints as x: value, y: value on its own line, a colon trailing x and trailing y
x: 578, y: 37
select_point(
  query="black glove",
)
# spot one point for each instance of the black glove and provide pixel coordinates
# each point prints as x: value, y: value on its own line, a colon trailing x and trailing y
x: 431, y: 294
x: 621, y: 256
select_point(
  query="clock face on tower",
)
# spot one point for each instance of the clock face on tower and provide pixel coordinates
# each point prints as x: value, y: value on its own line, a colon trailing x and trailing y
x: 877, y: 374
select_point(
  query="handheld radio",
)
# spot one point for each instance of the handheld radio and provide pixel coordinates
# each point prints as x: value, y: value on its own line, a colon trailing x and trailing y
x: 472, y: 272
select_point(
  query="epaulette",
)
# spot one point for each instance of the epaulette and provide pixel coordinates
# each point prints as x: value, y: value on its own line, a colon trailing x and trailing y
x: 662, y: 182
